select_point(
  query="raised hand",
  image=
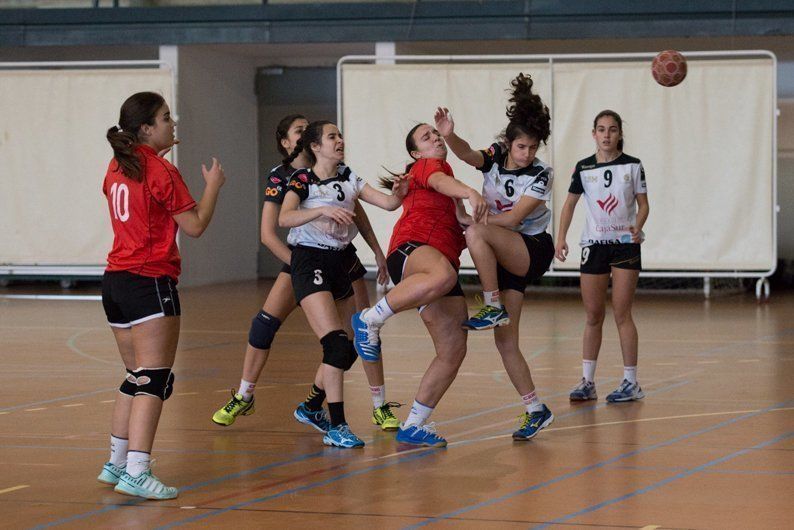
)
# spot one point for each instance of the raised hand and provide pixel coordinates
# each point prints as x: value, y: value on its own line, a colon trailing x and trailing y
x: 444, y: 123
x: 400, y: 186
x: 214, y: 175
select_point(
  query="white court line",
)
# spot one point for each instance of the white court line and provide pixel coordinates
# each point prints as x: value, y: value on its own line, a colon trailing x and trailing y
x: 68, y: 297
x: 73, y: 405
x: 34, y: 410
x: 14, y: 488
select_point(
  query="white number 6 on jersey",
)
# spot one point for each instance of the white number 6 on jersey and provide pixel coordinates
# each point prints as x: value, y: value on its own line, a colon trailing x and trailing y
x: 318, y: 277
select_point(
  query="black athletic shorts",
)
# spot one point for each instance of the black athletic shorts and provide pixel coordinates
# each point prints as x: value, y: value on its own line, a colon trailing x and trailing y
x: 316, y: 269
x: 541, y: 251
x: 395, y: 263
x: 599, y: 259
x: 131, y: 299
x: 355, y: 269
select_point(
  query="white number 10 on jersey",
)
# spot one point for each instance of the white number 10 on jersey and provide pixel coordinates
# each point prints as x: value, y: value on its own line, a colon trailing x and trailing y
x: 120, y: 199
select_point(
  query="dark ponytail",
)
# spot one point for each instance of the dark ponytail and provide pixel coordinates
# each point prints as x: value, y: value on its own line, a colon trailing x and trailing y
x: 282, y: 129
x: 410, y: 146
x: 526, y: 113
x: 313, y: 134
x: 137, y: 110
x: 614, y: 115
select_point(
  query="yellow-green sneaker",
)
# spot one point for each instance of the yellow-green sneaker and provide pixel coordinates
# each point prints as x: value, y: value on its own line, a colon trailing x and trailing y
x: 384, y: 417
x: 235, y: 407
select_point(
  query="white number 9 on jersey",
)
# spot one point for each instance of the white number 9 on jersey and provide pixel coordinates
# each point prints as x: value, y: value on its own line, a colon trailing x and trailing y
x: 585, y: 254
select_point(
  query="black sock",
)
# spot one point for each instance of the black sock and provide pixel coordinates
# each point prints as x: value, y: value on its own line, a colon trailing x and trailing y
x: 337, y: 411
x: 314, y: 401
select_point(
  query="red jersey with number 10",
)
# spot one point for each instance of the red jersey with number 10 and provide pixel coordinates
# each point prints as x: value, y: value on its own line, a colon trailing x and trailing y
x: 429, y: 216
x: 141, y: 213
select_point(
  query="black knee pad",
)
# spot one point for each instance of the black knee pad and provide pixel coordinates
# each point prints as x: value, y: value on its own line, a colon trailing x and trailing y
x: 157, y: 382
x: 263, y: 329
x: 336, y: 349
x: 128, y: 387
x: 352, y: 356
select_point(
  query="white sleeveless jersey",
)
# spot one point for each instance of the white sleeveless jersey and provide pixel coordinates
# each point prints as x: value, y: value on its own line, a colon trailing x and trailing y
x: 610, y: 190
x: 341, y: 191
x: 502, y: 188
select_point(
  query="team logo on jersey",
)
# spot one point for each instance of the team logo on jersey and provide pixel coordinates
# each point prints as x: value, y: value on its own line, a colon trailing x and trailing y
x: 609, y: 204
x: 503, y: 207
x: 297, y: 185
x: 275, y: 180
x: 626, y: 177
x: 303, y: 177
x: 272, y: 192
x: 591, y: 178
x: 491, y: 151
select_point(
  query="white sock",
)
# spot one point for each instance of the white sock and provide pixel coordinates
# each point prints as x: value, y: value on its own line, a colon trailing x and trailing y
x: 378, y: 395
x: 630, y: 374
x: 118, y: 451
x: 246, y: 389
x: 588, y: 370
x: 532, y: 402
x: 418, y: 415
x: 378, y: 313
x: 491, y: 298
x: 137, y: 462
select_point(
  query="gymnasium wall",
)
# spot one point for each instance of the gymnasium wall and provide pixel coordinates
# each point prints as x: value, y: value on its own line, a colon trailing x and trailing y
x: 710, y: 186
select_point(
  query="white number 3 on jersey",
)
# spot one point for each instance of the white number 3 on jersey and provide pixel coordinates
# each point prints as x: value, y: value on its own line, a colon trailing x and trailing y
x: 318, y: 277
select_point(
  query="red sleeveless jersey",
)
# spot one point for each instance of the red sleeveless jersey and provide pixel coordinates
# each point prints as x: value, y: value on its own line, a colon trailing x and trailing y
x: 429, y: 216
x: 141, y: 213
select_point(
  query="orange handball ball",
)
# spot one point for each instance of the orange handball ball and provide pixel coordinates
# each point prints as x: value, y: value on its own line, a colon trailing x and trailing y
x: 668, y: 68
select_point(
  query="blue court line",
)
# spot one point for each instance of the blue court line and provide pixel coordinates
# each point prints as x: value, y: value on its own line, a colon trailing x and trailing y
x: 714, y: 471
x: 591, y: 467
x: 66, y: 398
x: 666, y: 481
x: 197, y: 485
x: 291, y: 491
x: 400, y: 460
x: 308, y: 486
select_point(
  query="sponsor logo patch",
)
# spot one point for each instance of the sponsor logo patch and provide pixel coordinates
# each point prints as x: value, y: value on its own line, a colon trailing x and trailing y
x: 609, y: 204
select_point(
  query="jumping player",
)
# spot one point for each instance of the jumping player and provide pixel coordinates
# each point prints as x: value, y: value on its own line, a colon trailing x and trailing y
x: 423, y: 260
x: 148, y: 200
x: 514, y: 247
x: 319, y: 209
x: 613, y: 184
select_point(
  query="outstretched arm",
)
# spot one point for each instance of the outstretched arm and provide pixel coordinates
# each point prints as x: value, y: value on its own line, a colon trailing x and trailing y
x: 446, y: 127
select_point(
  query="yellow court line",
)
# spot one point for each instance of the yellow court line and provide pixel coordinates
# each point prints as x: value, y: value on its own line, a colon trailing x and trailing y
x: 709, y: 362
x: 186, y: 394
x: 33, y: 410
x: 749, y: 360
x: 666, y: 364
x: 108, y: 401
x: 15, y: 488
x: 4, y: 413
x: 73, y: 405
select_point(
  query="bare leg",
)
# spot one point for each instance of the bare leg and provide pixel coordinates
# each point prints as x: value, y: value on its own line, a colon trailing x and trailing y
x: 428, y: 276
x: 506, y: 338
x: 624, y: 284
x: 489, y: 244
x: 119, y: 426
x: 594, y: 294
x: 155, y: 343
x: 442, y: 319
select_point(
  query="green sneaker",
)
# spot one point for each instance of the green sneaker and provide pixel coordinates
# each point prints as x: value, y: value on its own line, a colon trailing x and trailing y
x: 235, y: 407
x: 110, y: 474
x: 145, y: 485
x: 384, y: 417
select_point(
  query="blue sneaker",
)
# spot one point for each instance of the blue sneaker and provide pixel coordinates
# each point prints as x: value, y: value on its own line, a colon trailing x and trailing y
x: 532, y: 423
x: 424, y: 435
x: 316, y: 418
x: 487, y: 317
x: 145, y: 485
x: 584, y: 391
x: 342, y: 436
x: 366, y: 338
x: 626, y: 392
x: 110, y: 474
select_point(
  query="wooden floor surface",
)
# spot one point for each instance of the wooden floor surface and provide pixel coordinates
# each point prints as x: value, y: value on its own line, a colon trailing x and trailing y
x: 711, y: 445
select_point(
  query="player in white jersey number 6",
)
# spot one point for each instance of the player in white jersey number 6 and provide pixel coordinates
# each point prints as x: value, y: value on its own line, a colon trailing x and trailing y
x: 318, y: 209
x: 616, y: 196
x: 513, y: 248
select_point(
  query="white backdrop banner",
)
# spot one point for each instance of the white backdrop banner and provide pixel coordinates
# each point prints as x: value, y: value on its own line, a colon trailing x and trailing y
x: 707, y: 145
x: 53, y: 157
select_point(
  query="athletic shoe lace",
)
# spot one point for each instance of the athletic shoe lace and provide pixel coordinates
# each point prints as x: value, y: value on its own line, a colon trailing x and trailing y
x: 582, y: 385
x: 232, y: 403
x: 484, y: 312
x: 428, y: 428
x: 386, y: 409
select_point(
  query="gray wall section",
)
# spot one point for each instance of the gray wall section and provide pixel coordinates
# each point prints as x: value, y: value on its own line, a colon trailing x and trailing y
x: 280, y: 92
x: 217, y: 117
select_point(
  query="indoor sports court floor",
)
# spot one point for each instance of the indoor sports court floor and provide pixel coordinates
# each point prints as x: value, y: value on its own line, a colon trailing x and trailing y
x: 711, y: 445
